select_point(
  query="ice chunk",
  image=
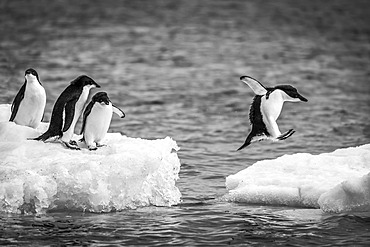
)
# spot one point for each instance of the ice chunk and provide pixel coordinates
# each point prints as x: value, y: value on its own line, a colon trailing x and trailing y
x: 340, y: 179
x: 350, y: 195
x: 16, y: 132
x: 127, y: 173
x: 5, y: 112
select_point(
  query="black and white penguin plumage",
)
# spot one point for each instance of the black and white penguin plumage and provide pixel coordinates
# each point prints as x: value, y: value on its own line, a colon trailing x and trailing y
x: 29, y: 103
x: 96, y: 119
x: 266, y: 108
x: 68, y: 109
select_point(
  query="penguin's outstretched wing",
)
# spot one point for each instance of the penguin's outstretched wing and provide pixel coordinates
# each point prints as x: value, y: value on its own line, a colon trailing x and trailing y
x: 17, y: 101
x: 118, y: 111
x: 86, y: 113
x: 255, y: 85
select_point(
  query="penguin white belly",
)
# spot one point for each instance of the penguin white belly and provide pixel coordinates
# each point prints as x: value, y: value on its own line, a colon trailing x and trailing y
x: 31, y: 109
x: 79, y: 107
x: 97, y: 123
x: 271, y: 109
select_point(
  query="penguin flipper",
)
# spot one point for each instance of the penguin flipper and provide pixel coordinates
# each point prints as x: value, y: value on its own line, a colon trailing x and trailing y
x: 286, y: 135
x: 118, y: 111
x: 17, y: 101
x: 69, y: 113
x: 255, y: 85
x: 86, y: 113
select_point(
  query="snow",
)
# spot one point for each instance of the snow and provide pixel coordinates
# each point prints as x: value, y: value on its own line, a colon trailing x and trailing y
x: 335, y: 182
x: 37, y: 177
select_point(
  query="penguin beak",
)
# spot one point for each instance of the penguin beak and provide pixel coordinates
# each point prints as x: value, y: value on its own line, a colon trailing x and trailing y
x: 302, y: 98
x: 29, y: 76
x: 95, y: 84
x: 104, y: 102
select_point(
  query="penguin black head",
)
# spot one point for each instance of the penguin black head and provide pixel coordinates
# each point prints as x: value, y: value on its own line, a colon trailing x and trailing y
x: 291, y: 92
x: 31, y: 71
x: 84, y: 80
x: 101, y: 97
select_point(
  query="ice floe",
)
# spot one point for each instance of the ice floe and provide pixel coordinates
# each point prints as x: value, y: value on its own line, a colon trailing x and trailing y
x: 335, y: 182
x: 37, y: 177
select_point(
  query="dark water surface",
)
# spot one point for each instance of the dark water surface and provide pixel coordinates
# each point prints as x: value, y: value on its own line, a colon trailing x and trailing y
x: 174, y: 68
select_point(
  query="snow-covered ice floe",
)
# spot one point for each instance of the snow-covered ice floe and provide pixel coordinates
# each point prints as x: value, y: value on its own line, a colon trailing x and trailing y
x: 37, y: 177
x: 335, y: 182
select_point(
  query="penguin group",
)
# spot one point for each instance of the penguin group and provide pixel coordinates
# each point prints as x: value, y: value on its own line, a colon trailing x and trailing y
x: 29, y: 104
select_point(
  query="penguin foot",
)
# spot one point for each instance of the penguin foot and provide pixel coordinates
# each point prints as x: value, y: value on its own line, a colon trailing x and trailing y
x: 71, y: 145
x: 92, y: 148
x: 285, y: 135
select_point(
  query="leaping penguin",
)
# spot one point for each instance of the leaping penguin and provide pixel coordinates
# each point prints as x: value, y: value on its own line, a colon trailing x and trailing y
x: 266, y: 108
x: 96, y: 119
x: 29, y: 103
x: 67, y: 110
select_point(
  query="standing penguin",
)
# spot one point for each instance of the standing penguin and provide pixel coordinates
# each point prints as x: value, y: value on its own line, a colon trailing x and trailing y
x: 97, y: 118
x: 29, y: 103
x: 266, y: 108
x: 67, y: 110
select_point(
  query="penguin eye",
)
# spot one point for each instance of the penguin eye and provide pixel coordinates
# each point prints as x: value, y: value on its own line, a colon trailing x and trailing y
x: 294, y: 91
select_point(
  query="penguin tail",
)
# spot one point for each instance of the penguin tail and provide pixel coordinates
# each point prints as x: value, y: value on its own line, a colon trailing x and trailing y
x: 42, y: 137
x: 48, y: 134
x: 246, y: 143
x: 243, y: 146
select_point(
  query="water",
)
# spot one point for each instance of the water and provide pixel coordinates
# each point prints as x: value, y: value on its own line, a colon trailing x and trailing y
x: 174, y: 68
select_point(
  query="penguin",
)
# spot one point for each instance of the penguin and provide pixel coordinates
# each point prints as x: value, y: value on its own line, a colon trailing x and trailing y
x: 96, y: 120
x: 67, y: 110
x: 266, y: 108
x: 29, y: 104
